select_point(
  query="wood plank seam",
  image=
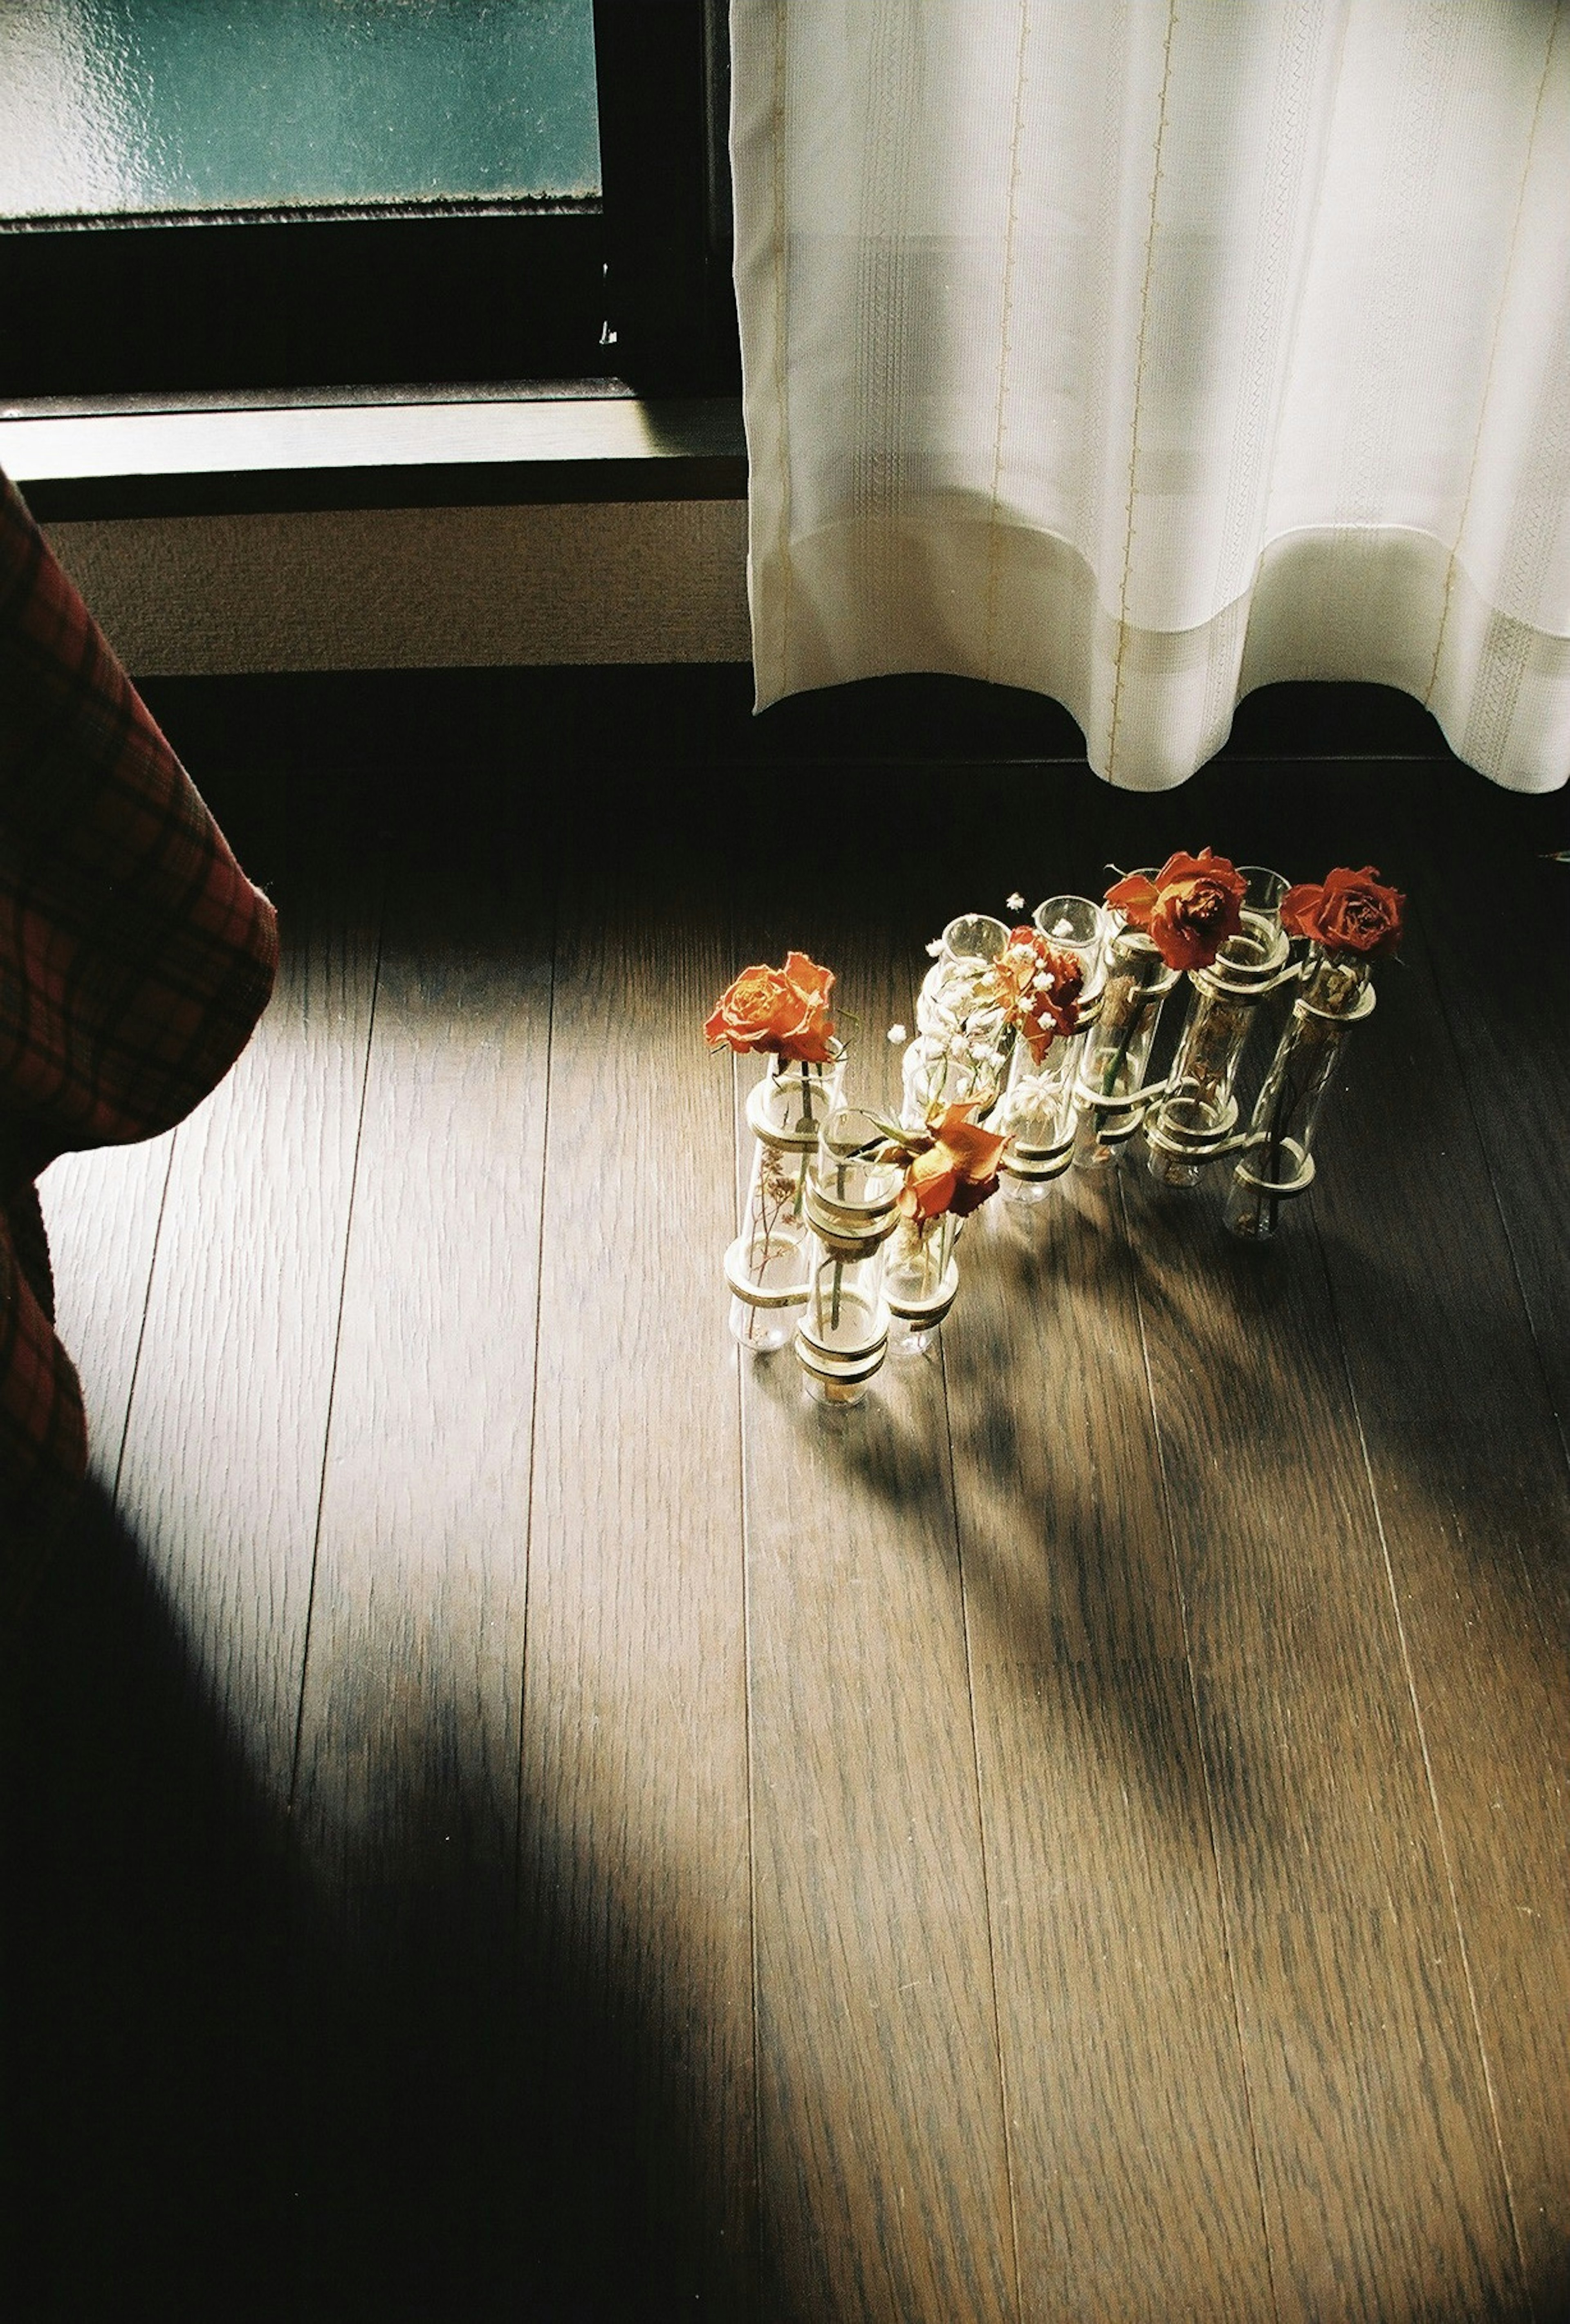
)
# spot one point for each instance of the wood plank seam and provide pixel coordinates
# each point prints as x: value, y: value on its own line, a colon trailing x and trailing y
x: 327, y: 1434
x: 986, y: 1873
x: 1202, y: 1755
x: 141, y: 1327
x: 1420, y: 1726
x: 518, y: 1834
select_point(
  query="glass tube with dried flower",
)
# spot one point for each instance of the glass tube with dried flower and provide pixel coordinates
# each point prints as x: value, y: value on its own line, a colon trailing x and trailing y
x: 766, y: 1267
x: 1135, y: 982
x: 1195, y: 1117
x: 1164, y: 922
x: 960, y: 1053
x: 782, y: 1014
x: 948, y: 1173
x: 1351, y: 921
x: 1059, y: 997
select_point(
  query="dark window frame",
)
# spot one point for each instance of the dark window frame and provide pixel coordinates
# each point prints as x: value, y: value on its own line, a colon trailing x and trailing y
x: 637, y: 286
x: 664, y: 82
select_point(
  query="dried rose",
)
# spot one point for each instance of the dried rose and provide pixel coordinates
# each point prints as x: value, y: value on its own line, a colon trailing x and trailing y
x: 1349, y: 912
x: 1042, y: 986
x: 957, y: 1171
x: 783, y: 1011
x: 1188, y: 910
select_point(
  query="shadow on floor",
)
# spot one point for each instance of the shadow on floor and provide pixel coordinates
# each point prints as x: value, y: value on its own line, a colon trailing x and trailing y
x: 220, y: 2104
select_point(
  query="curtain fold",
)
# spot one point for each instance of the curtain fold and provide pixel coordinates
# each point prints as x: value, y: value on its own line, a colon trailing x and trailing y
x: 1144, y: 353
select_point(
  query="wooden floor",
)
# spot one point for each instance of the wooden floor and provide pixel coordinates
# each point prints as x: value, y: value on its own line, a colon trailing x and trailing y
x: 508, y: 1816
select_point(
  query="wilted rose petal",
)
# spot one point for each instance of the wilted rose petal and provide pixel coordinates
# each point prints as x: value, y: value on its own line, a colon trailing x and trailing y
x: 957, y: 1171
x: 780, y: 1011
x: 1190, y: 908
x: 1350, y: 911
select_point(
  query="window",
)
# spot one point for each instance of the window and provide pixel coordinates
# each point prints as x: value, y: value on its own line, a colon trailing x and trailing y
x: 205, y: 196
x: 126, y: 107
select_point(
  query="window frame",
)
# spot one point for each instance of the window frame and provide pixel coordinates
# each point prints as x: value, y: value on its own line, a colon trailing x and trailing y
x: 637, y: 285
x: 664, y: 92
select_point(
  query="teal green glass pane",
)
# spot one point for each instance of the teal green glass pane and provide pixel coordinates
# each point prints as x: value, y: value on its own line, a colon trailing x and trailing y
x: 198, y: 105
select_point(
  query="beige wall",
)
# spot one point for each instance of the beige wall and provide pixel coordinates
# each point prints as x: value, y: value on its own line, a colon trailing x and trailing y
x: 645, y: 581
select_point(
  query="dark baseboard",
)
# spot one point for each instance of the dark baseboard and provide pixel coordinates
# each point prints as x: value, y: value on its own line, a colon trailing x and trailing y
x: 998, y: 779
x: 704, y: 711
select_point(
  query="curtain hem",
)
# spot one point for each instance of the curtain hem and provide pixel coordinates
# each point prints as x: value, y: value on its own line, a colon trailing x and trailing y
x: 947, y: 592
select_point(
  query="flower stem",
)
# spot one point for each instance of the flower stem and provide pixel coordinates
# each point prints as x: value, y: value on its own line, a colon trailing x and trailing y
x: 809, y: 1118
x: 765, y: 1216
x: 1280, y: 1115
x: 1140, y: 997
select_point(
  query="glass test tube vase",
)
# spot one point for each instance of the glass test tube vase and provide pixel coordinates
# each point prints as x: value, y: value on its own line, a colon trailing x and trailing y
x: 960, y: 1053
x: 920, y: 1278
x: 1195, y: 1118
x: 1040, y: 1108
x: 1110, y: 1090
x: 850, y: 1205
x: 767, y: 1266
x: 1275, y: 1165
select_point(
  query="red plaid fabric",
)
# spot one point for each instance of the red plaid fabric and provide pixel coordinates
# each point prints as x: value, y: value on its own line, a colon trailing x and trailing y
x: 135, y: 958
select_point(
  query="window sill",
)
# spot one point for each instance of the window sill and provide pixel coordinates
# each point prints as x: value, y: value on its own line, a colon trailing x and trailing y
x: 558, y: 443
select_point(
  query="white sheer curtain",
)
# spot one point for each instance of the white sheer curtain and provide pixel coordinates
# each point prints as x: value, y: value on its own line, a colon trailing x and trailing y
x: 1144, y: 353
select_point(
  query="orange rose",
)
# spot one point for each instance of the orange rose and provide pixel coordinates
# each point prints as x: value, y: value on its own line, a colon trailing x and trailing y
x: 1188, y: 910
x: 782, y: 1010
x: 956, y: 1172
x: 1350, y: 912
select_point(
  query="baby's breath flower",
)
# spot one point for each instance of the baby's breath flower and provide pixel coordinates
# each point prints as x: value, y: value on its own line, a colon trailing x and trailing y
x: 1016, y: 902
x: 896, y: 1034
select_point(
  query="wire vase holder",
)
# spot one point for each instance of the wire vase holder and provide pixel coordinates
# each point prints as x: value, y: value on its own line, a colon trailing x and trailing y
x: 851, y: 1195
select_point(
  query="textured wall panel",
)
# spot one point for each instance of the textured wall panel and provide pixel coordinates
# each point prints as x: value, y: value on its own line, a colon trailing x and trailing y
x: 418, y: 588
